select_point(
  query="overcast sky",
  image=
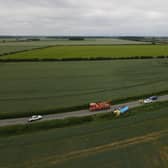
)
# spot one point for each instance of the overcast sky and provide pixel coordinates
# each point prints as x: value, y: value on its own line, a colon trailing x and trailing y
x: 84, y: 17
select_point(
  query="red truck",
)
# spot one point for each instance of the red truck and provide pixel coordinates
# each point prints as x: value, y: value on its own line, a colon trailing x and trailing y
x: 99, y: 106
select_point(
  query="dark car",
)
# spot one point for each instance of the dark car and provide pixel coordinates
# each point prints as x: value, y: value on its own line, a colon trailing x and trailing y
x: 153, y: 98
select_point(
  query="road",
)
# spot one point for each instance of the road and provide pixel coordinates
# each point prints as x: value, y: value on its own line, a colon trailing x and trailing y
x: 80, y: 113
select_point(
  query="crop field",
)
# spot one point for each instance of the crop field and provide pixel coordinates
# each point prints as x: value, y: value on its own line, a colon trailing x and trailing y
x: 114, y: 51
x: 10, y: 49
x: 3, y: 40
x: 11, y: 45
x: 38, y: 86
x: 66, y: 41
x: 94, y: 41
x: 139, y: 139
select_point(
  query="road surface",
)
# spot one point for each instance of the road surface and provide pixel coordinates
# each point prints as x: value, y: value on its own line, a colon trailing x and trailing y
x: 80, y: 113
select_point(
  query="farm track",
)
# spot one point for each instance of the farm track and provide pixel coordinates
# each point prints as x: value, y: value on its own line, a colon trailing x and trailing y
x: 80, y: 113
x: 101, y: 148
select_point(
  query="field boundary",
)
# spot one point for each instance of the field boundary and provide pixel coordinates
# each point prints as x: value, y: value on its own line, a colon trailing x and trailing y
x: 79, y: 59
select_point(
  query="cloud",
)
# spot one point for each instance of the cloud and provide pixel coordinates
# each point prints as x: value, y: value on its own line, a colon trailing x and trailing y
x: 84, y: 17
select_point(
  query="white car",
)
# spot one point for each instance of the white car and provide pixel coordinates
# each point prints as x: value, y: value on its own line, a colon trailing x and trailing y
x: 151, y: 99
x: 34, y: 118
x: 148, y: 101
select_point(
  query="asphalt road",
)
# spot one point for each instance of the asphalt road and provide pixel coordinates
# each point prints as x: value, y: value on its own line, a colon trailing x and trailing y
x: 79, y: 113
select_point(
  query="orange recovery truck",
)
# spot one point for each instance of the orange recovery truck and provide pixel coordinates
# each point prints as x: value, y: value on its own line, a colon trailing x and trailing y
x: 99, y: 106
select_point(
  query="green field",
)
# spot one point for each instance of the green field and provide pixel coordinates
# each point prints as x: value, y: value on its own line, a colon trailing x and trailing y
x: 10, y: 49
x: 139, y: 139
x: 14, y: 46
x: 40, y: 86
x: 114, y: 51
